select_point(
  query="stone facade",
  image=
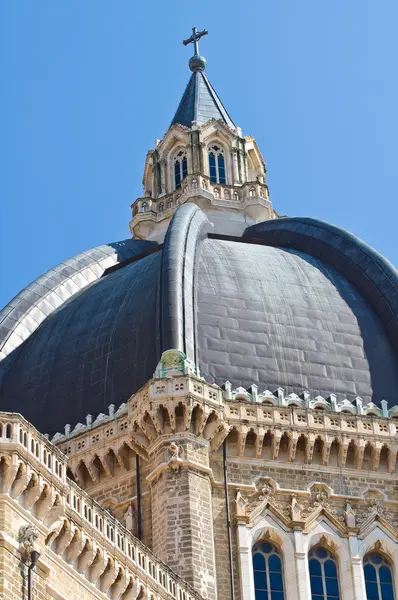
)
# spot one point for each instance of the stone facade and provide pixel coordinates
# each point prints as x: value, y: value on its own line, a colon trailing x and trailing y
x: 301, y: 470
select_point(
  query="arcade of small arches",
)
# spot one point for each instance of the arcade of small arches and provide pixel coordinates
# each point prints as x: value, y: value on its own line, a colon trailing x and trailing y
x: 361, y: 444
x: 321, y: 449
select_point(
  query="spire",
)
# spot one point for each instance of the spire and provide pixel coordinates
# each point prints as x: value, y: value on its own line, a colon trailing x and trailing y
x: 199, y: 102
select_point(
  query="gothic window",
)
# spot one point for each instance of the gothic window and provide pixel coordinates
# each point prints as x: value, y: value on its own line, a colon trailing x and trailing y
x: 144, y: 207
x: 180, y: 168
x: 323, y: 575
x: 216, y: 164
x: 378, y: 577
x: 268, y: 577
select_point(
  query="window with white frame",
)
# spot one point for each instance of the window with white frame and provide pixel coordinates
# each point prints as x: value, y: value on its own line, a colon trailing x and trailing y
x: 268, y: 572
x: 323, y: 574
x: 180, y: 168
x: 378, y: 577
x: 217, y: 164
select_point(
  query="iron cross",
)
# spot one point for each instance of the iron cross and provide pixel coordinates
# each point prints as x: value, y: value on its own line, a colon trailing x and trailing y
x: 195, y: 37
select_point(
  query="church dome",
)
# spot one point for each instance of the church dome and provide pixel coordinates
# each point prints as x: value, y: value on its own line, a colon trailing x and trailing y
x: 293, y: 303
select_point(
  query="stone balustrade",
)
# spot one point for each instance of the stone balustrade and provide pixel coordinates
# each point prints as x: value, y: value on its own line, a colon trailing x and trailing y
x: 200, y: 185
x: 16, y: 431
x: 76, y: 528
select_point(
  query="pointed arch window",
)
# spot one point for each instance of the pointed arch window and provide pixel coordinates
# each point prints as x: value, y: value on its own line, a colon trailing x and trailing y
x: 378, y: 577
x: 217, y: 164
x: 323, y: 574
x: 180, y: 168
x: 268, y: 572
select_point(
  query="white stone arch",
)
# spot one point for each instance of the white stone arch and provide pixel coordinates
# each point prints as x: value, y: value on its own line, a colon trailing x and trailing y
x: 325, y: 535
x: 378, y: 538
x: 269, y: 530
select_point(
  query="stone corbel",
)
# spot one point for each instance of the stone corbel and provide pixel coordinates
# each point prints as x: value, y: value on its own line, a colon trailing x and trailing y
x: 75, y: 548
x: 92, y: 471
x: 131, y: 594
x: 9, y: 473
x: 21, y: 481
x: 392, y: 459
x: 275, y: 444
x: 120, y: 584
x: 293, y: 446
x: 44, y: 505
x: 259, y: 442
x: 310, y: 448
x: 108, y: 577
x: 359, y: 454
x: 86, y: 558
x: 376, y: 456
x: 242, y: 440
x: 64, y: 539
x: 343, y: 452
x: 97, y: 568
x: 32, y: 492
x: 327, y: 444
x: 220, y: 436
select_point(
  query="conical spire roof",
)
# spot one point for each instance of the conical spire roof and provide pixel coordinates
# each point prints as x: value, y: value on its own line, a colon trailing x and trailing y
x: 200, y: 103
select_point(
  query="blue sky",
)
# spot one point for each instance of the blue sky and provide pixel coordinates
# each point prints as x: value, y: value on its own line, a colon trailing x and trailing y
x: 87, y: 86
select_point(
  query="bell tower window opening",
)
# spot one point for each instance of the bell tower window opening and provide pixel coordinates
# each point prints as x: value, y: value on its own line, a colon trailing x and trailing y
x: 378, y: 577
x: 217, y: 165
x: 268, y: 576
x: 180, y: 168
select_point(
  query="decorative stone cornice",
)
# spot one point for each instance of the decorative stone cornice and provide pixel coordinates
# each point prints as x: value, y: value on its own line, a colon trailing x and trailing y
x: 312, y: 428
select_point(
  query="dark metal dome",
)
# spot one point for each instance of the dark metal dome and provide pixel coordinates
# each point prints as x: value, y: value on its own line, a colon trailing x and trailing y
x: 294, y: 303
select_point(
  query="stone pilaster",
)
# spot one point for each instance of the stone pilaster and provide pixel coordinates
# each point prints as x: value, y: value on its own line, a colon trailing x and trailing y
x: 356, y: 569
x: 182, y: 526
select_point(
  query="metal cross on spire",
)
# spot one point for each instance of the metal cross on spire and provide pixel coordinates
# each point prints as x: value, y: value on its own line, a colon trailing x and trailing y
x: 195, y: 37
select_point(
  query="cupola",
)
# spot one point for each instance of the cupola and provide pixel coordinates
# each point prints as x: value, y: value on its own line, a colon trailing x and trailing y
x: 204, y: 159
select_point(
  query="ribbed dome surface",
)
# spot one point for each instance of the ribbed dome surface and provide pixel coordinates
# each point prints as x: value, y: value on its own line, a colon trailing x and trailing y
x: 279, y: 317
x: 245, y: 310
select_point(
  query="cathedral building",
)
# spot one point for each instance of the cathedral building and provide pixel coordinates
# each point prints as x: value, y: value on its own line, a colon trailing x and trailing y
x: 208, y: 409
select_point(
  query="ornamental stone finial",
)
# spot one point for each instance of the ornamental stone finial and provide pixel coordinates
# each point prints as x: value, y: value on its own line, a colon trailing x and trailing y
x: 197, y: 62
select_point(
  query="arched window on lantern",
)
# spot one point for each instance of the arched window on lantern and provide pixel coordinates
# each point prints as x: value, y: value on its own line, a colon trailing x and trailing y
x: 217, y: 164
x: 180, y: 168
x: 378, y: 577
x: 323, y: 574
x: 268, y: 572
